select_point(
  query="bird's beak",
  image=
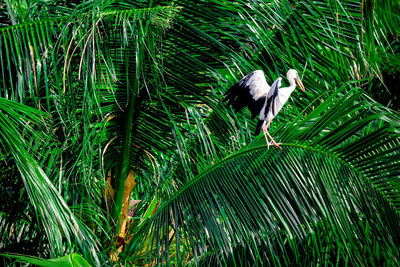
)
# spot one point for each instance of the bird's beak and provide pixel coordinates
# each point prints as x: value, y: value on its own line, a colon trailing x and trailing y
x: 300, y: 84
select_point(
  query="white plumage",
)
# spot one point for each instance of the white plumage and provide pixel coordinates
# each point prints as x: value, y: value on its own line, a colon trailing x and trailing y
x: 258, y: 85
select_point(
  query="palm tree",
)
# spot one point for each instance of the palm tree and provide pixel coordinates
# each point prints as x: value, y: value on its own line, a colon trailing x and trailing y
x: 116, y: 101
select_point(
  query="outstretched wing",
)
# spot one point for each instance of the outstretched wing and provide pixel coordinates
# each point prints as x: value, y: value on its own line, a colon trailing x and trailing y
x: 250, y: 91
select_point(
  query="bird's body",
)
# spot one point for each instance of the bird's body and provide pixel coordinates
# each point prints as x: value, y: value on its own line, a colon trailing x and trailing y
x: 254, y: 92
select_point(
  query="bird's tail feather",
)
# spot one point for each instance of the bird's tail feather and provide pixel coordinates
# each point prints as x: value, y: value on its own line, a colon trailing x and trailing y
x: 258, y: 127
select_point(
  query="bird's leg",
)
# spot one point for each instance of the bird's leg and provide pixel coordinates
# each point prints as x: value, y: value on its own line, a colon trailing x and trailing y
x: 266, y: 138
x: 269, y: 122
x: 272, y: 139
x: 265, y: 131
x: 264, y: 128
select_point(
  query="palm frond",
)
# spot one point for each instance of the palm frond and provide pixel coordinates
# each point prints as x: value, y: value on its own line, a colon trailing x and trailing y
x: 58, y: 220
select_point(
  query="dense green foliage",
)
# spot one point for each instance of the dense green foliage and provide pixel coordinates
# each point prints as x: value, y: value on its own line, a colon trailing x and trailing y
x: 91, y: 91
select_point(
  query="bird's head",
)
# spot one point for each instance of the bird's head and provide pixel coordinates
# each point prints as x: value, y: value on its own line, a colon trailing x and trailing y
x: 293, y: 75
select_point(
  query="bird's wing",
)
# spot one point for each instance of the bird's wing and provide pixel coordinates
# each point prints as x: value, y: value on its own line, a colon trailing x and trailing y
x: 272, y: 103
x: 250, y: 91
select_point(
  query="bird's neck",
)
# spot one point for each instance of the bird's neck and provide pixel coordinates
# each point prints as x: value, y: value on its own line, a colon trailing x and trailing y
x: 292, y: 85
x: 284, y: 93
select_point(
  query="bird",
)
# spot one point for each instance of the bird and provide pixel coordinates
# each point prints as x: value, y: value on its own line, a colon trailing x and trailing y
x: 266, y: 101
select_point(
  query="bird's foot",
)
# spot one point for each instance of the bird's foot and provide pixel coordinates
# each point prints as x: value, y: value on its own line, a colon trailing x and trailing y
x: 268, y: 144
x: 278, y: 145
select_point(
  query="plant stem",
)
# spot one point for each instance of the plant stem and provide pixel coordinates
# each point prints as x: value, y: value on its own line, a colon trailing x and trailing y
x: 128, y: 132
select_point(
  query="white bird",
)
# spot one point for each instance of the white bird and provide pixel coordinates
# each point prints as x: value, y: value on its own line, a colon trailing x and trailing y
x: 254, y: 92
